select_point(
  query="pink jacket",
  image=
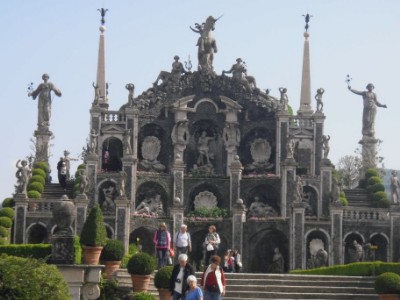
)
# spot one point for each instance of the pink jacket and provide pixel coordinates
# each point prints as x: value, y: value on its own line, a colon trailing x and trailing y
x: 155, y: 240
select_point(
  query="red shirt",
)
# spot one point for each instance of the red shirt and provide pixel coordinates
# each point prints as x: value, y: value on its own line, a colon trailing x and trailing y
x: 212, y: 279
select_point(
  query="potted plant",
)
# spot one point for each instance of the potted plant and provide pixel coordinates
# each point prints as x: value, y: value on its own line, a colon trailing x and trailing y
x: 161, y: 282
x: 111, y: 256
x: 387, y: 285
x: 144, y: 296
x: 93, y: 236
x: 141, y: 266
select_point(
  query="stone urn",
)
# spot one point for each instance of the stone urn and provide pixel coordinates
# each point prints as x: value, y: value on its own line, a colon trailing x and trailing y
x: 64, y: 214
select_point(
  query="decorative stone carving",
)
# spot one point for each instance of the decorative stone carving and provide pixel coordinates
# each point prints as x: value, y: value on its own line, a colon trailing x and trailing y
x: 23, y: 175
x: 278, y: 263
x: 90, y: 291
x: 355, y: 252
x: 231, y: 135
x: 325, y: 145
x: 318, y: 98
x: 151, y: 147
x: 284, y: 100
x: 394, y: 187
x: 180, y: 138
x: 205, y: 156
x: 299, y: 189
x: 84, y: 182
x: 290, y: 145
x: 260, y: 151
x: 173, y: 76
x: 93, y: 141
x: 151, y: 206
x: 206, y: 200
x: 318, y: 255
x: 261, y: 209
x: 121, y: 184
x: 126, y: 142
x: 239, y: 74
x: 109, y: 195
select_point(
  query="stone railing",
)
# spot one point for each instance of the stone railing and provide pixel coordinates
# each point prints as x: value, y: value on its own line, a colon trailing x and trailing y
x: 41, y: 206
x: 113, y: 116
x: 300, y: 122
x: 350, y: 213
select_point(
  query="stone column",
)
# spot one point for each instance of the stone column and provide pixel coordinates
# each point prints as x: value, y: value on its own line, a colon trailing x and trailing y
x: 132, y: 115
x: 297, y: 246
x: 368, y: 153
x: 288, y: 175
x: 42, y: 144
x: 238, y: 218
x: 336, y: 256
x: 122, y: 219
x: 325, y: 187
x: 282, y: 132
x: 127, y: 165
x: 81, y: 203
x: 92, y: 161
x: 177, y: 214
x: 394, y: 251
x: 235, y: 177
x: 21, y: 211
x: 319, y: 119
x: 178, y: 169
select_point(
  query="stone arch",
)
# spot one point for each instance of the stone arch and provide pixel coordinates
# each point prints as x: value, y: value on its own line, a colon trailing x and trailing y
x: 267, y: 193
x: 248, y: 147
x: 202, y: 188
x: 109, y: 230
x: 145, y: 235
x: 310, y: 195
x: 112, y: 147
x: 150, y: 189
x: 37, y: 233
x: 380, y: 240
x: 106, y: 193
x: 205, y: 103
x: 316, y: 234
x: 348, y: 248
x: 161, y: 161
x: 262, y: 245
x: 55, y: 229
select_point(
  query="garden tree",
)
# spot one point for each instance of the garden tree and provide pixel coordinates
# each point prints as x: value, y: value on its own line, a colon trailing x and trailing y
x: 349, y: 170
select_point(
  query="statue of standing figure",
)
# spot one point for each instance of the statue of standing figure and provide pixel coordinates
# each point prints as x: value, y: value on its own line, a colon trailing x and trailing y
x: 203, y: 148
x: 44, y: 104
x: 369, y: 112
x: 23, y: 175
x: 278, y: 263
x: 325, y: 145
x: 394, y: 186
x: 299, y: 189
x: 126, y: 142
x: 284, y: 99
x: 318, y: 98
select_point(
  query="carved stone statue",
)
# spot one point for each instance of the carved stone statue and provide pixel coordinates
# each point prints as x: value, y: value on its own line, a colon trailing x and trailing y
x: 83, y: 184
x: 290, y: 145
x: 151, y: 148
x: 278, y: 263
x: 261, y: 209
x: 96, y: 94
x: 93, y: 141
x: 284, y: 100
x: 131, y: 89
x: 203, y: 148
x: 394, y: 187
x: 150, y: 206
x: 325, y: 145
x: 260, y: 151
x: 369, y: 111
x: 44, y: 104
x: 180, y: 133
x: 174, y: 75
x: 231, y: 135
x: 318, y: 255
x: 299, y: 189
x: 318, y: 98
x: 239, y: 74
x: 355, y: 252
x: 109, y: 195
x: 23, y: 175
x: 126, y: 142
x: 121, y: 183
x: 67, y: 161
x: 206, y: 43
x: 336, y: 190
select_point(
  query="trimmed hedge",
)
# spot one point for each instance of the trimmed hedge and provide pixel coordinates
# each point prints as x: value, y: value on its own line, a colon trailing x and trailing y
x: 387, y: 283
x: 36, y: 186
x: 28, y: 278
x: 141, y: 264
x: 38, y: 178
x: 7, y: 212
x: 38, y: 251
x: 38, y: 172
x: 371, y: 172
x: 8, y: 202
x: 5, y: 222
x: 4, y: 232
x: 34, y: 195
x: 77, y: 250
x: 378, y: 187
x: 3, y: 241
x: 41, y: 165
x: 374, y: 180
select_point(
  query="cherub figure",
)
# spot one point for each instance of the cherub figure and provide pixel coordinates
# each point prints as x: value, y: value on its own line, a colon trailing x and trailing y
x: 23, y: 175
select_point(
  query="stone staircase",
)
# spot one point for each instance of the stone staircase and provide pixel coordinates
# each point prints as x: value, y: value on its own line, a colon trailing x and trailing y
x: 246, y: 286
x: 55, y: 191
x: 358, y: 197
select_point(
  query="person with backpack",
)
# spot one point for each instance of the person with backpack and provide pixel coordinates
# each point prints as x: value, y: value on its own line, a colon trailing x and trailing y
x: 162, y: 241
x: 183, y: 242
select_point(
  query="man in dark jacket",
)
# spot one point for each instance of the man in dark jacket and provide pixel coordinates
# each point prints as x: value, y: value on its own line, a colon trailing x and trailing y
x: 181, y: 271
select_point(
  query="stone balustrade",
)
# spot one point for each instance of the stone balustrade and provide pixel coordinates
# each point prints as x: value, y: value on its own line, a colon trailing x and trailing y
x: 113, y: 116
x: 40, y: 205
x: 351, y: 213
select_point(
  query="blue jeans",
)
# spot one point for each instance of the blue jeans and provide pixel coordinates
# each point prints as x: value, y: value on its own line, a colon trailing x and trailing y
x: 212, y: 295
x: 162, y: 257
x: 176, y: 296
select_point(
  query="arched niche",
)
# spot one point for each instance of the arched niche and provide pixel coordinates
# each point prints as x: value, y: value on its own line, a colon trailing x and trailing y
x: 201, y: 188
x: 315, y: 240
x: 37, y: 234
x: 107, y: 193
x: 257, y: 151
x: 149, y: 190
x: 112, y: 153
x: 381, y: 253
x: 351, y: 248
x: 267, y: 194
x: 161, y: 151
x: 310, y: 197
x: 143, y: 238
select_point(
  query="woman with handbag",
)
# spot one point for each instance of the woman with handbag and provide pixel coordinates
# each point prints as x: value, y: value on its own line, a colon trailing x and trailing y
x: 162, y: 241
x: 211, y: 243
x: 213, y: 280
x: 178, y: 284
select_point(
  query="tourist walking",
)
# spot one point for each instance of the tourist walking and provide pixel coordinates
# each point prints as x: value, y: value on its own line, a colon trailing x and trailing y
x: 162, y: 241
x: 237, y: 261
x: 178, y: 284
x: 213, y: 280
x: 183, y: 242
x: 194, y: 293
x: 211, y: 243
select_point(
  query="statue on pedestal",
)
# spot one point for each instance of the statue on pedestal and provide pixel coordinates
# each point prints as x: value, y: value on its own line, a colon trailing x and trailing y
x: 394, y: 187
x: 325, y: 145
x: 278, y: 263
x: 284, y: 100
x: 23, y: 175
x: 44, y: 103
x: 318, y: 98
x: 126, y: 142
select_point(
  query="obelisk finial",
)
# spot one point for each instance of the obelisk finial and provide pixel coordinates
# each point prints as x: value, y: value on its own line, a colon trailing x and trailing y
x: 307, y: 19
x: 103, y: 14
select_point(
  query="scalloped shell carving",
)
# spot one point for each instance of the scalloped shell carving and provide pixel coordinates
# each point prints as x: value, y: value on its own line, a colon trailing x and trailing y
x: 205, y: 199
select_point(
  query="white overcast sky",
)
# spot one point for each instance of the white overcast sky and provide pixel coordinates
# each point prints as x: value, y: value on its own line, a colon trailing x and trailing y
x: 357, y: 37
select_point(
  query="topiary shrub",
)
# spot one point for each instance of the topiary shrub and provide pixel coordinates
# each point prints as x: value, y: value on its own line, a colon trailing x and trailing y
x: 34, y: 195
x: 94, y: 232
x: 371, y: 172
x: 82, y: 166
x: 343, y: 201
x: 141, y: 264
x: 144, y: 296
x: 38, y: 172
x: 378, y: 196
x: 373, y: 180
x: 387, y: 283
x: 378, y: 187
x: 38, y: 251
x: 41, y: 165
x: 383, y: 203
x: 114, y: 250
x: 3, y: 241
x: 5, y: 222
x: 38, y: 178
x: 7, y: 212
x: 4, y: 232
x: 162, y: 277
x: 36, y: 186
x: 8, y: 202
x: 28, y: 278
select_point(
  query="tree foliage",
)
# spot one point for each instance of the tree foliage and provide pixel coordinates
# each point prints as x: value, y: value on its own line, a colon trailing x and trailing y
x: 349, y: 170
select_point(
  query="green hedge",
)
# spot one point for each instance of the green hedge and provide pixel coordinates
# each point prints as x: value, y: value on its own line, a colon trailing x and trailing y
x: 28, y: 278
x: 3, y: 241
x: 94, y: 232
x: 374, y: 180
x: 378, y: 187
x: 38, y: 178
x: 8, y: 202
x: 353, y: 269
x: 7, y: 212
x: 4, y: 232
x: 144, y: 296
x: 78, y: 250
x: 38, y: 251
x: 41, y: 165
x: 36, y: 186
x: 34, y: 195
x: 5, y: 222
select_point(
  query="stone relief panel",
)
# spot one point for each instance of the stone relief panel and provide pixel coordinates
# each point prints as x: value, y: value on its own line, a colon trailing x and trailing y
x: 107, y: 193
x: 206, y: 200
x: 151, y: 200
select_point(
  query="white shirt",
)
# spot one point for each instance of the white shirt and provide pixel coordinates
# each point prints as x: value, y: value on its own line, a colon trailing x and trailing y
x: 178, y: 285
x: 182, y: 239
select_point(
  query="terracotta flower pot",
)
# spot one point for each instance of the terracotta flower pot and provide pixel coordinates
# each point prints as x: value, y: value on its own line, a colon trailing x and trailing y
x: 91, y: 255
x: 111, y: 267
x: 140, y: 283
x: 389, y: 296
x: 164, y: 294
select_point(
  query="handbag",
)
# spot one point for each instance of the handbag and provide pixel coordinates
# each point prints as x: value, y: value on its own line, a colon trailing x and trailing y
x: 171, y: 252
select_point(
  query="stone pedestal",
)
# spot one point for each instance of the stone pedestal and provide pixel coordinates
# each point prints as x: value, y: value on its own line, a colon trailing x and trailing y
x: 178, y: 169
x: 337, y: 255
x: 297, y: 248
x: 236, y: 170
x: 42, y: 144
x: 368, y: 153
x: 288, y: 177
x: 394, y: 254
x: 177, y: 218
x: 282, y: 133
x: 63, y: 251
x: 325, y: 187
x: 238, y: 218
x: 21, y: 210
x: 122, y: 218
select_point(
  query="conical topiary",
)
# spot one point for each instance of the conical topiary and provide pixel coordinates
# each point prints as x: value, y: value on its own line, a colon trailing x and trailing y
x: 94, y: 232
